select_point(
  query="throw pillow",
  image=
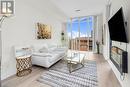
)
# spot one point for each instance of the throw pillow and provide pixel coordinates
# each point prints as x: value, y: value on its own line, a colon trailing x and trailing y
x: 43, y: 50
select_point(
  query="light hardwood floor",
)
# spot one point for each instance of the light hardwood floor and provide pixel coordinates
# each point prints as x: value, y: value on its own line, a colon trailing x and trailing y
x: 106, y: 77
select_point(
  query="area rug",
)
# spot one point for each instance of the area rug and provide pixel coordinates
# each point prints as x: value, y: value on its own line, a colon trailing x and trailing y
x: 59, y: 76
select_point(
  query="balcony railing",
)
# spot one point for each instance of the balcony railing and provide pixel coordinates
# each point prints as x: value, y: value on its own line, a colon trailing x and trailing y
x: 81, y: 44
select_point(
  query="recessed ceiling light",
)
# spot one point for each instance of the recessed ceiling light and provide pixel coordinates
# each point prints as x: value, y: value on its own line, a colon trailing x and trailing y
x: 77, y: 10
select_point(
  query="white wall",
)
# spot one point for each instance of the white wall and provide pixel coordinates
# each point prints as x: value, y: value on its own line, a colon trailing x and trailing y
x: 106, y: 48
x: 98, y: 25
x: 0, y: 48
x: 99, y: 30
x: 115, y: 5
x: 21, y: 29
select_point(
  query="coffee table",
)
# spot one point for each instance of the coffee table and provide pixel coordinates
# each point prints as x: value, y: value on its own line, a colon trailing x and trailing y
x: 74, y: 59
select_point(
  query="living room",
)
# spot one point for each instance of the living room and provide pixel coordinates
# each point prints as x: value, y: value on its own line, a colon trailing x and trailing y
x: 20, y: 30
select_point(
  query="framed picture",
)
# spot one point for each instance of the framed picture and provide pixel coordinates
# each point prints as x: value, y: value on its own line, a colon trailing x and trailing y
x: 43, y: 31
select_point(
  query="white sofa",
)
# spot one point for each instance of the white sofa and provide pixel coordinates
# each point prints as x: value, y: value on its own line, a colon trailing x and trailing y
x: 46, y: 56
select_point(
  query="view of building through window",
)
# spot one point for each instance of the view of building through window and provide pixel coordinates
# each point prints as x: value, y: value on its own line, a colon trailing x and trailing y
x: 80, y: 33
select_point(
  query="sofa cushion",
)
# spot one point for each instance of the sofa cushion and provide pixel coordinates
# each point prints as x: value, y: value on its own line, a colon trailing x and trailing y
x: 37, y: 47
x: 43, y: 50
x: 52, y: 48
x: 54, y: 58
x: 42, y: 54
x: 50, y: 56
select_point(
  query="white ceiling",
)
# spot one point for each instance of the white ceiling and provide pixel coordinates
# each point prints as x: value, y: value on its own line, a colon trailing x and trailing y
x: 87, y: 7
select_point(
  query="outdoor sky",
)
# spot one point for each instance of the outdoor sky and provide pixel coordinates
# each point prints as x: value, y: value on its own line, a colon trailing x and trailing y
x: 86, y: 26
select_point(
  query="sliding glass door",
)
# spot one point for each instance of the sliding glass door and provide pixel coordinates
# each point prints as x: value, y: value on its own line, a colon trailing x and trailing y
x: 80, y: 33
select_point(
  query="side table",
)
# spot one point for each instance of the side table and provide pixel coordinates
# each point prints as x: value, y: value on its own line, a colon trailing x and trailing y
x: 24, y: 65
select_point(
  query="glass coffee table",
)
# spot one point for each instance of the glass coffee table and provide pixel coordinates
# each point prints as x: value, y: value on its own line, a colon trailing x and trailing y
x: 75, y: 61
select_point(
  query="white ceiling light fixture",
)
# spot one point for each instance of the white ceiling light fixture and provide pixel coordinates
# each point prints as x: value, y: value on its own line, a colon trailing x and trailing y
x: 78, y: 10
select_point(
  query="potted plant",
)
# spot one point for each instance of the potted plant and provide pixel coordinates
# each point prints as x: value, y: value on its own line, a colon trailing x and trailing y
x: 62, y: 35
x: 98, y: 46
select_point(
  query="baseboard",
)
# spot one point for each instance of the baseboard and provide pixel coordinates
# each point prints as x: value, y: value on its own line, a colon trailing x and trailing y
x: 115, y: 72
x: 10, y: 77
